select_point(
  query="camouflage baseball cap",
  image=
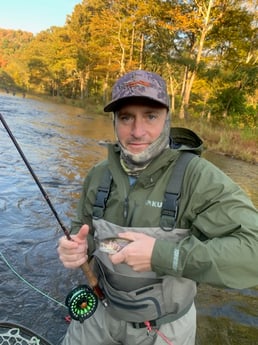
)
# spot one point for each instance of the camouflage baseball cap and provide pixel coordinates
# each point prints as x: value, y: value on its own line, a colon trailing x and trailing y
x: 140, y: 84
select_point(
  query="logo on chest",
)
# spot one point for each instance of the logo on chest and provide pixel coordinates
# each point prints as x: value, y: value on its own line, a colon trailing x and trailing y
x: 153, y: 203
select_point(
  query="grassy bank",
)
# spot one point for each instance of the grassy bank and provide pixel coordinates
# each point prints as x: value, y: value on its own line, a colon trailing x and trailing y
x: 238, y: 143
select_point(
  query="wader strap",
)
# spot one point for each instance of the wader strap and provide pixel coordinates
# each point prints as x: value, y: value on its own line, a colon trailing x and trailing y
x: 164, y: 319
x: 170, y: 204
x: 102, y: 195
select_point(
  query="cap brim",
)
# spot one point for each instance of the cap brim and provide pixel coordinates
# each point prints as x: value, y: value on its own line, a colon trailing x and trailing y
x: 116, y: 105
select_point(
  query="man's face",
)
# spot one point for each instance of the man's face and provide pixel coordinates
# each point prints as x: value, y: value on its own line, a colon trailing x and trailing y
x: 139, y: 125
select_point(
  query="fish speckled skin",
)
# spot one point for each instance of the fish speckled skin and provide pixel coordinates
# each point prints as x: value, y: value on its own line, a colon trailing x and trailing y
x: 113, y: 245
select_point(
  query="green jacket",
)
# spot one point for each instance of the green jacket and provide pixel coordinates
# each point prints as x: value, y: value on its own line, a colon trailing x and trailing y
x: 222, y: 248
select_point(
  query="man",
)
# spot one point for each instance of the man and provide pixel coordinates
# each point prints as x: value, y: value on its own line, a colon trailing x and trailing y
x: 150, y: 284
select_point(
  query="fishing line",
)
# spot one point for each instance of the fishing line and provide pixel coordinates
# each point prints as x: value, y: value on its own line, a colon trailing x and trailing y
x: 83, y: 300
x: 28, y: 283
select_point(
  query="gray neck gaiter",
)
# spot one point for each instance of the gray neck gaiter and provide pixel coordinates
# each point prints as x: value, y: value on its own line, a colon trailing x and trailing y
x: 133, y: 164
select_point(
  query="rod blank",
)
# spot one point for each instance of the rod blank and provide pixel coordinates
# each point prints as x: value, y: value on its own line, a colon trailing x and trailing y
x: 66, y: 232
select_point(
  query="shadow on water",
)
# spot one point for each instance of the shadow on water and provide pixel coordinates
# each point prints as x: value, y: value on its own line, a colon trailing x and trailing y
x: 62, y: 143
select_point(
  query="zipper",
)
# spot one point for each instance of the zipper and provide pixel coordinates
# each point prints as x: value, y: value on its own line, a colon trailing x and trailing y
x: 126, y: 206
x: 127, y: 221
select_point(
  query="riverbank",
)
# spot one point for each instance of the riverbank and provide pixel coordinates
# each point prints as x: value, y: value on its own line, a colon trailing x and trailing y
x: 237, y: 143
x: 240, y: 144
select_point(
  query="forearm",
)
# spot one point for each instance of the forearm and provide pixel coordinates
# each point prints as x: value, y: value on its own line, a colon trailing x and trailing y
x: 222, y: 248
x: 225, y: 262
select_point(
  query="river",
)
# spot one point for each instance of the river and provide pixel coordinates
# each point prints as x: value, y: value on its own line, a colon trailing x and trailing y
x: 62, y: 143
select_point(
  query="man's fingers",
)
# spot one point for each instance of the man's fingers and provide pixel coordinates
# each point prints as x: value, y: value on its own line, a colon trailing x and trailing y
x: 117, y: 258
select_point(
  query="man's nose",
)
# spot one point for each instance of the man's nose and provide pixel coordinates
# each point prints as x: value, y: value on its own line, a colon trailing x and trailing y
x: 138, y: 129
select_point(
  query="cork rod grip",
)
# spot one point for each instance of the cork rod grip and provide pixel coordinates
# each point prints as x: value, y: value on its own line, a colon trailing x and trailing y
x: 92, y: 280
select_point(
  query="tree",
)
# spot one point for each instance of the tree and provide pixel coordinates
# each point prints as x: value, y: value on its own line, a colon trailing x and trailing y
x: 205, y: 49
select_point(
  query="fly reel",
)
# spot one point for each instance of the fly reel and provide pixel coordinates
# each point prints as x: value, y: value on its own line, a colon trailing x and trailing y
x: 81, y: 302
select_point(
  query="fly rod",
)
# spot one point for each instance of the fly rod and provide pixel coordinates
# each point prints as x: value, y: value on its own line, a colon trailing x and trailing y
x: 81, y: 301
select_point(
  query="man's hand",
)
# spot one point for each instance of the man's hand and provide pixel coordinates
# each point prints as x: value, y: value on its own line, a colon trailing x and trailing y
x: 137, y: 254
x: 74, y: 253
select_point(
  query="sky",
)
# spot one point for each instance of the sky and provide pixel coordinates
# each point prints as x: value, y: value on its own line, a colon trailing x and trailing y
x: 34, y: 15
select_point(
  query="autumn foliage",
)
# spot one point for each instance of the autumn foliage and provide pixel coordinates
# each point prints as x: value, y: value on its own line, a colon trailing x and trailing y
x: 205, y: 49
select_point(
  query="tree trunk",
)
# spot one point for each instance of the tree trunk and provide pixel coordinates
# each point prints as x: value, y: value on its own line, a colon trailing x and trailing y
x: 190, y: 76
x: 132, y: 46
x: 105, y: 88
x: 82, y: 84
x: 141, y: 52
x: 122, y: 60
x: 183, y: 113
x: 172, y: 89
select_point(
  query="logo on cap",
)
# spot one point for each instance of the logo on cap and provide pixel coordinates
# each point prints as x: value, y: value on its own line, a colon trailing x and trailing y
x: 138, y: 84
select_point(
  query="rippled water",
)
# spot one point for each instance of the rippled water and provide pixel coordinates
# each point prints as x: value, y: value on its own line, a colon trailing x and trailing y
x: 62, y: 143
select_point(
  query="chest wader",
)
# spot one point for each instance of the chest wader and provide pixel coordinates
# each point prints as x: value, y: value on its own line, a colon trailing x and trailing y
x: 139, y: 296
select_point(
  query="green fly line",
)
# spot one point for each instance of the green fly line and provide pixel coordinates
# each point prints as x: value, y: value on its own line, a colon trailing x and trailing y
x: 28, y: 283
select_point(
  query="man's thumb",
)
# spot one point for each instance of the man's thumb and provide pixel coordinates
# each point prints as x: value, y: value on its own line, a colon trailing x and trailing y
x: 83, y: 232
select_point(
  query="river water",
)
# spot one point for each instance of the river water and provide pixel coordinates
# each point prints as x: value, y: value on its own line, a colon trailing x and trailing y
x: 61, y: 143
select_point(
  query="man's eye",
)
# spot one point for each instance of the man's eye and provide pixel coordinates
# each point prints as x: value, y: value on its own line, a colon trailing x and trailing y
x: 152, y: 116
x: 125, y: 118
